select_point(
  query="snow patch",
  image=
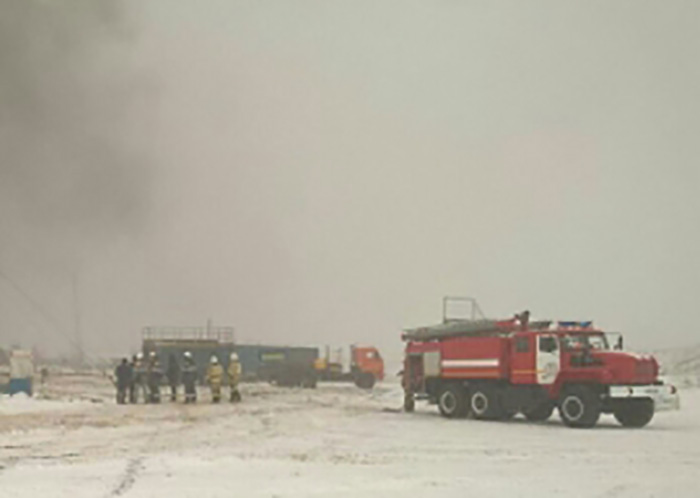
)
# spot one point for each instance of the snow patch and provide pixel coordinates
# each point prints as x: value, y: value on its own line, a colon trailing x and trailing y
x: 21, y: 403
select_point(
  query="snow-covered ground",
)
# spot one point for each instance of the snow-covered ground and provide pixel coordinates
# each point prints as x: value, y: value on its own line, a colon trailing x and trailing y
x: 681, y: 365
x: 333, y: 441
x: 23, y: 404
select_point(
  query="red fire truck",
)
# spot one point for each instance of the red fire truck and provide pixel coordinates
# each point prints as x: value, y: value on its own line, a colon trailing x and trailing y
x: 494, y: 369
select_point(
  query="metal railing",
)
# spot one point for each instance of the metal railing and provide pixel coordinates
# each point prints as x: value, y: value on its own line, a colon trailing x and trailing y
x: 448, y: 302
x: 220, y: 334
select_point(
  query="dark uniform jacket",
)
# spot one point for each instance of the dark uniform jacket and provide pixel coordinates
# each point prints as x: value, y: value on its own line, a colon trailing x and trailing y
x: 173, y: 373
x: 189, y: 373
x: 124, y: 373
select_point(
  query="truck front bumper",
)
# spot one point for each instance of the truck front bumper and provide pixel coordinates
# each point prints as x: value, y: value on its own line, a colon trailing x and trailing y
x: 665, y: 397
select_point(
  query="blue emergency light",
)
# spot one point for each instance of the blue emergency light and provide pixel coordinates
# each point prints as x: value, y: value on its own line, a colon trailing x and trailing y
x: 570, y: 324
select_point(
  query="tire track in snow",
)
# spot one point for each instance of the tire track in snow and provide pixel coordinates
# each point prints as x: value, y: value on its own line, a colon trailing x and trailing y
x: 136, y: 465
x: 133, y: 469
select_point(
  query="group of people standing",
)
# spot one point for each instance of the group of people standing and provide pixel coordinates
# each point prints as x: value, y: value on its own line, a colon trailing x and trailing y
x: 146, y: 376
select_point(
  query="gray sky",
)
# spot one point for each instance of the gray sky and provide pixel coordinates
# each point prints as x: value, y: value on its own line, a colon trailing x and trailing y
x: 324, y: 172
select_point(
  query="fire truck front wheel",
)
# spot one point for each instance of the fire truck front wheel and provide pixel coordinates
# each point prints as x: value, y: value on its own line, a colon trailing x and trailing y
x: 452, y: 401
x: 579, y: 406
x: 365, y: 380
x: 484, y: 403
x: 634, y: 412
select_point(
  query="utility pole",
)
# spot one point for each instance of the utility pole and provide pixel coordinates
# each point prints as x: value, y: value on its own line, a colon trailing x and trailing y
x: 80, y: 354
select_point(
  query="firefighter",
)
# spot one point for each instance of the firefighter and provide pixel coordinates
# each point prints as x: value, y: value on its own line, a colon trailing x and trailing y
x: 173, y: 375
x: 137, y: 378
x: 189, y: 378
x: 44, y: 375
x: 215, y: 376
x: 124, y: 374
x: 234, y: 376
x: 154, y: 374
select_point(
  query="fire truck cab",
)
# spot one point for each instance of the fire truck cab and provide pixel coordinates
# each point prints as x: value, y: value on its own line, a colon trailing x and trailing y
x: 491, y: 369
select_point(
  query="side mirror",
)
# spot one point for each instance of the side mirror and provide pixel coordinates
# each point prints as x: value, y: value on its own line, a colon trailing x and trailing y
x: 618, y: 346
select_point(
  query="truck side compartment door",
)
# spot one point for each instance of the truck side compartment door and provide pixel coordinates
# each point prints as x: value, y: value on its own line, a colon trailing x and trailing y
x: 431, y: 364
x: 522, y: 354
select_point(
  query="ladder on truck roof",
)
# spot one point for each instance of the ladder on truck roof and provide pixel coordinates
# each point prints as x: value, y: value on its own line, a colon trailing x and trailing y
x: 453, y: 328
x: 471, y: 328
x: 475, y: 324
x: 473, y: 321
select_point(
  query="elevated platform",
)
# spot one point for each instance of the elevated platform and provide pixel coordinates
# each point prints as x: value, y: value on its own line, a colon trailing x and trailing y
x: 217, y: 334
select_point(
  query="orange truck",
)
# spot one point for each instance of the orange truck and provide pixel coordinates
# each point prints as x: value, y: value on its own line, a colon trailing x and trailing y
x: 365, y: 369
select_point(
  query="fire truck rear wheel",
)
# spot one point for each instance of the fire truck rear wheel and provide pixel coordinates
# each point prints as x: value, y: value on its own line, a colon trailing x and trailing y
x: 452, y: 401
x: 634, y: 412
x: 579, y: 406
x: 484, y: 403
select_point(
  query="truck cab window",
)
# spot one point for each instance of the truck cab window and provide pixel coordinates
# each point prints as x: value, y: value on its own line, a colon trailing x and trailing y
x: 577, y: 342
x: 548, y: 344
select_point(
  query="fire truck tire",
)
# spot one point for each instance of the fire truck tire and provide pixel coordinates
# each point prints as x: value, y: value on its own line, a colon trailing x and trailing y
x: 365, y: 380
x: 452, y: 401
x: 484, y: 403
x: 540, y: 413
x: 580, y: 407
x: 634, y: 412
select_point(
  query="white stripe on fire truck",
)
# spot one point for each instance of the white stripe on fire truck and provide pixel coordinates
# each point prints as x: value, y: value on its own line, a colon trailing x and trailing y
x: 486, y: 362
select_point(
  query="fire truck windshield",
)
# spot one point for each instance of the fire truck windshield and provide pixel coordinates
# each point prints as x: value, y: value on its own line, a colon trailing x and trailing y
x: 573, y: 342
